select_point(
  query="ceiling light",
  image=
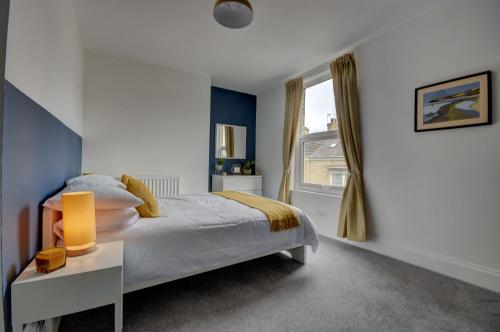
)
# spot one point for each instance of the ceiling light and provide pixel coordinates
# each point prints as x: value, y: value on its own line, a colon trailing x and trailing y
x: 234, y: 14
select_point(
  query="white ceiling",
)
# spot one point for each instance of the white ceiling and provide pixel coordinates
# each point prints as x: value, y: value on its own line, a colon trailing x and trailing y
x: 286, y: 36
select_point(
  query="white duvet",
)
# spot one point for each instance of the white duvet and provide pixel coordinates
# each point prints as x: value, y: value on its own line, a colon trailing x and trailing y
x: 197, y: 232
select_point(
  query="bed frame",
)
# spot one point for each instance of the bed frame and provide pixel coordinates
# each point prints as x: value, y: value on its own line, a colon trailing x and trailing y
x: 50, y: 217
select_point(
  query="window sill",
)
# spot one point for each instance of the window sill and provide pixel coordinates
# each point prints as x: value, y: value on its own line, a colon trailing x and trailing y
x: 303, y: 191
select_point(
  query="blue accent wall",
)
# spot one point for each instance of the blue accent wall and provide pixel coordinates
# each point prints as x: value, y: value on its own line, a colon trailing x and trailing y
x: 39, y: 154
x: 236, y: 108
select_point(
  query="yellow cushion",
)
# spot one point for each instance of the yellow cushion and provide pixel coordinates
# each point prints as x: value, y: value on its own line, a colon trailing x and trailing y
x: 150, y: 207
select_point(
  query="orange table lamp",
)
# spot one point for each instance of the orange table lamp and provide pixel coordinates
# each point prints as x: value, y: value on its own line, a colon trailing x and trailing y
x: 79, y: 222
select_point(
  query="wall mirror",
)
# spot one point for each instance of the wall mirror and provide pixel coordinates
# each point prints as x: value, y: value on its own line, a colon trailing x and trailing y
x: 230, y: 141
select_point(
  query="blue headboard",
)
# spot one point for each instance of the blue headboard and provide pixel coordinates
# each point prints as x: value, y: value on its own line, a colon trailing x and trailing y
x: 39, y: 154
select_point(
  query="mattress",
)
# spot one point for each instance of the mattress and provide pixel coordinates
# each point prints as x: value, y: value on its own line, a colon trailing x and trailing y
x: 197, y: 232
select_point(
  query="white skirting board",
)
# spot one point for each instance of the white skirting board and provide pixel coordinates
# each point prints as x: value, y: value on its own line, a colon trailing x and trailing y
x: 465, y: 271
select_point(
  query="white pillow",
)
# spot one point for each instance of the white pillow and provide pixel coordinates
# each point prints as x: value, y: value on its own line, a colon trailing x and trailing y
x: 94, y: 180
x: 106, y: 220
x: 106, y: 197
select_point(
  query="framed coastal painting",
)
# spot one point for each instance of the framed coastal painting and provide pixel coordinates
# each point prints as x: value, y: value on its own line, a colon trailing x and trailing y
x: 461, y: 102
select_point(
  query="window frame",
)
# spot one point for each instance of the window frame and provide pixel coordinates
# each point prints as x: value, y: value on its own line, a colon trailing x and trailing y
x: 298, y: 166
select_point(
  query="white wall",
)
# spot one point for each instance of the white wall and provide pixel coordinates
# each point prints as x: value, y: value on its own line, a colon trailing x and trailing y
x: 269, y: 139
x: 145, y: 120
x: 45, y: 57
x: 432, y: 198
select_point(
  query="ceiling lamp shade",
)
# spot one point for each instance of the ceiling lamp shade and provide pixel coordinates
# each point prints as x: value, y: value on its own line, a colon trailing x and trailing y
x: 233, y: 14
x: 79, y: 222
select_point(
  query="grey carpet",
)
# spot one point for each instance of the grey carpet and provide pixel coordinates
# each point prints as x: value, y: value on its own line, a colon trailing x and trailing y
x: 342, y: 288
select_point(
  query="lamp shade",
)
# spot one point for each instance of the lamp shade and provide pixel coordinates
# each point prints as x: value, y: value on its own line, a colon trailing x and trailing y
x: 234, y: 14
x: 79, y: 222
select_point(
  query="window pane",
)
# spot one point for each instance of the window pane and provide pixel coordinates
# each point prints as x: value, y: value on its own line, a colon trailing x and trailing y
x: 324, y: 163
x: 319, y: 108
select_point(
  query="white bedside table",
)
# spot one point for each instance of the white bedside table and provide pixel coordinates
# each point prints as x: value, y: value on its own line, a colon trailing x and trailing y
x: 86, y: 282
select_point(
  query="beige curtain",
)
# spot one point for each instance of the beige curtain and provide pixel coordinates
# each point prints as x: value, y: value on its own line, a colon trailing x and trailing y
x: 229, y: 141
x: 293, y: 103
x: 352, y: 211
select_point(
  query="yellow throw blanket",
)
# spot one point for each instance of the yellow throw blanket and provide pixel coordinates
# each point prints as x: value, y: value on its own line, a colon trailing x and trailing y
x: 281, y: 216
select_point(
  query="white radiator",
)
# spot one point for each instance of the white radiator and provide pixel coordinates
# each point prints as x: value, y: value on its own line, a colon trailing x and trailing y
x: 162, y: 186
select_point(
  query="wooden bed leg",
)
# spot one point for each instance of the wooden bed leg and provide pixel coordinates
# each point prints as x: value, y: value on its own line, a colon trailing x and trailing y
x: 299, y: 254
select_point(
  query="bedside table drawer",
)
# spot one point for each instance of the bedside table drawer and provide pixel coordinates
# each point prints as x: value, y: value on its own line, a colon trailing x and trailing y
x: 49, y: 300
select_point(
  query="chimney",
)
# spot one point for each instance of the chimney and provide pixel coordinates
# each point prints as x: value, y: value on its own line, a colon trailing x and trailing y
x: 333, y: 124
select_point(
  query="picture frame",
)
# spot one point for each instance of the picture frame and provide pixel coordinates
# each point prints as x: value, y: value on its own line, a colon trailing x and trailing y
x: 457, y: 103
x: 236, y: 169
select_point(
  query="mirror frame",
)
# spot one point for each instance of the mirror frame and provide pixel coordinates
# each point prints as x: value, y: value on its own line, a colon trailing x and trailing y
x: 215, y: 143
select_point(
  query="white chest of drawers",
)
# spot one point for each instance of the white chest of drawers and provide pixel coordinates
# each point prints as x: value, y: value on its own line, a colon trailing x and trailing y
x: 251, y: 184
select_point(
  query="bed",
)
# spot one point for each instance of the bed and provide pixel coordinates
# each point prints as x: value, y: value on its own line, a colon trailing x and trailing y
x: 194, y: 234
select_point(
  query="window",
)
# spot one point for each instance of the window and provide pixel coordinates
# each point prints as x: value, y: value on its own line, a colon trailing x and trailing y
x: 320, y: 165
x: 338, y: 177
